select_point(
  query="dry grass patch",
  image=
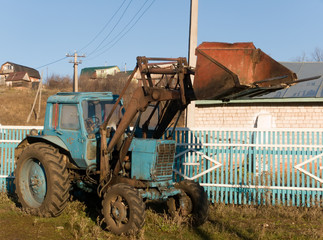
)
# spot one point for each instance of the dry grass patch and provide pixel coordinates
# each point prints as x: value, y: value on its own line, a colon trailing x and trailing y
x: 16, y: 105
x: 81, y: 221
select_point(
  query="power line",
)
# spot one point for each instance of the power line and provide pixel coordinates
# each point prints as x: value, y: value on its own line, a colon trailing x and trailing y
x: 117, y: 40
x: 52, y: 62
x: 127, y: 25
x: 103, y: 27
x: 112, y: 29
x: 58, y: 60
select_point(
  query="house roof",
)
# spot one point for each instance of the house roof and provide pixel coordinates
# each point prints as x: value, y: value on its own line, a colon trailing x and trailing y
x: 309, y: 91
x: 17, y: 76
x: 20, y: 68
x: 91, y: 70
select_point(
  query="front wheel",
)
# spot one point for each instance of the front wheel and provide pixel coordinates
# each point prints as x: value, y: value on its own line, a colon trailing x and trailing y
x: 123, y: 209
x: 41, y: 180
x: 193, y: 203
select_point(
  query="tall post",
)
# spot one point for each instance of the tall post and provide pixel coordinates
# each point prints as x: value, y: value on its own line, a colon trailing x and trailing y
x: 75, y: 79
x: 75, y: 76
x: 190, y: 112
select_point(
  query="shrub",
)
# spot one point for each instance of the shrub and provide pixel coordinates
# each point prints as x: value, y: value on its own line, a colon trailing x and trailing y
x: 112, y: 83
x: 59, y: 82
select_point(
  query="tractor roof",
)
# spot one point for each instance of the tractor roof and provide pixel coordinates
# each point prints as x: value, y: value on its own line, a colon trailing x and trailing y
x: 77, y: 97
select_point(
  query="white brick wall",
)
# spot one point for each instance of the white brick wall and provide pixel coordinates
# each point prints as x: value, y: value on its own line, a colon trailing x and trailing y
x: 283, y: 115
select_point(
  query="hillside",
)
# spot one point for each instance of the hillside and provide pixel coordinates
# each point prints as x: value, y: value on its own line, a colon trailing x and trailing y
x: 16, y: 105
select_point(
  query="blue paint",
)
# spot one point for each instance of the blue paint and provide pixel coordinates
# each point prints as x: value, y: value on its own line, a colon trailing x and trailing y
x: 153, y: 194
x: 152, y: 160
x: 84, y: 187
x: 305, y: 188
x: 73, y: 131
x: 33, y: 182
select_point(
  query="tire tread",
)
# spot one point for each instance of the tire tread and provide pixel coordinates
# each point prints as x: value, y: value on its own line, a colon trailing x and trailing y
x: 58, y: 184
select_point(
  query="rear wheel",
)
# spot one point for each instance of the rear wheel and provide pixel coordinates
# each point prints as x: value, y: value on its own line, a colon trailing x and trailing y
x: 192, y: 203
x: 41, y: 180
x: 123, y: 209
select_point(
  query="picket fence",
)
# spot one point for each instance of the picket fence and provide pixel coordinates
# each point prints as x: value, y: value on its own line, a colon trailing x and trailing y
x: 235, y: 166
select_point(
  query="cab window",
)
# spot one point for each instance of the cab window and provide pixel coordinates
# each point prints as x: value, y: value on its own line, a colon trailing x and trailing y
x: 69, y: 117
x: 96, y: 112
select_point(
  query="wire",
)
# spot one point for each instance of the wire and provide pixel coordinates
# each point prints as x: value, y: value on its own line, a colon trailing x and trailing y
x: 112, y: 29
x: 52, y: 62
x: 125, y: 26
x: 96, y: 36
x: 117, y: 40
x: 58, y: 60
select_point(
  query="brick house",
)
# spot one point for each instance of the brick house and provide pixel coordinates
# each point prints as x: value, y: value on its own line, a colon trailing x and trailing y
x: 300, y: 106
x: 15, y: 75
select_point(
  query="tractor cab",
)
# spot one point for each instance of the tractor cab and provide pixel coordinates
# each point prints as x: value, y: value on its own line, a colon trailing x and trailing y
x: 73, y: 121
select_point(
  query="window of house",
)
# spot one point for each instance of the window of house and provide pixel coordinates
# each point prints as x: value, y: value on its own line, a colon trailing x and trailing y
x: 69, y: 117
x: 7, y: 67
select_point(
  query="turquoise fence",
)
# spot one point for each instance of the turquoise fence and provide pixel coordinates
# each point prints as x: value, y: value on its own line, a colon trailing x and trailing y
x: 10, y: 136
x: 253, y: 166
x: 237, y: 166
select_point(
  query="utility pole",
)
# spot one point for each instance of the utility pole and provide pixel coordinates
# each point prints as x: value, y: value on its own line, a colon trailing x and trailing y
x: 76, y: 63
x: 190, y: 112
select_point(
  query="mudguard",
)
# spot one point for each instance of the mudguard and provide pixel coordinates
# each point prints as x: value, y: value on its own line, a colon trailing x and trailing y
x: 42, y: 138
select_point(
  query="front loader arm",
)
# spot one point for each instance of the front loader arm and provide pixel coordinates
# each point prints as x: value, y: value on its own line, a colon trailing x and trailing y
x: 175, y: 88
x: 139, y: 102
x: 223, y: 71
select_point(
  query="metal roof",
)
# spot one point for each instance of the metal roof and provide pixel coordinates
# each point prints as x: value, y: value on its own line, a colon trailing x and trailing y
x: 17, y: 76
x: 77, y: 97
x: 309, y: 89
x: 91, y: 70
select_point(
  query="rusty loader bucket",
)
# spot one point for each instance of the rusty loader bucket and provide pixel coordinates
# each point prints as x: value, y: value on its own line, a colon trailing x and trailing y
x: 230, y: 71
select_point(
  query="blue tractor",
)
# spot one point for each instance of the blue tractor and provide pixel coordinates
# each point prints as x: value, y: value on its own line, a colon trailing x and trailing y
x: 87, y: 140
x: 87, y: 143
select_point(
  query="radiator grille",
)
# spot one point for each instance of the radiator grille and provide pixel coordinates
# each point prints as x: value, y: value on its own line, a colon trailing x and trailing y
x: 165, y: 161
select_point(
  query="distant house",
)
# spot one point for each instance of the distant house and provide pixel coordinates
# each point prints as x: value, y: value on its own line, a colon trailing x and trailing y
x: 100, y: 72
x: 15, y: 75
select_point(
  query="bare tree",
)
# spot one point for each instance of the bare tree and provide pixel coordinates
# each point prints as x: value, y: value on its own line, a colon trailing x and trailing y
x: 317, y: 55
x: 112, y: 83
x: 56, y: 81
x: 301, y: 58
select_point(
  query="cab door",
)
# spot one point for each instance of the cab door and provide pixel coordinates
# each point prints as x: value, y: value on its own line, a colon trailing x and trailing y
x: 69, y: 129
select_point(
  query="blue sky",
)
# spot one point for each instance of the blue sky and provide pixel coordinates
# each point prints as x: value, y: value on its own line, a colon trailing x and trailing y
x: 35, y: 33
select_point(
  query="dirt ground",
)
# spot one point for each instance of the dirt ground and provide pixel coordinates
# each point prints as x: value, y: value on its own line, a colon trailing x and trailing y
x: 81, y: 221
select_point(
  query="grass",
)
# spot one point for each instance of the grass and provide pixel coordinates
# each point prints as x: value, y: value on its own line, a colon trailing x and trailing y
x: 82, y: 221
x: 16, y: 105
